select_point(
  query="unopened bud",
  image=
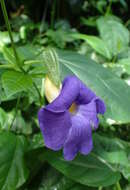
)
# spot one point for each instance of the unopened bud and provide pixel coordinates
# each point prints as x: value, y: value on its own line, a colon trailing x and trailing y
x: 51, y: 90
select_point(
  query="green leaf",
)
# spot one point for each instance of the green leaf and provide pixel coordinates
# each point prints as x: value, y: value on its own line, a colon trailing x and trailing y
x: 112, y: 150
x: 5, y: 39
x: 9, y: 55
x: 52, y: 63
x: 91, y: 21
x: 14, y: 82
x: 125, y: 64
x: 124, y: 4
x: 96, y: 43
x: 102, y: 81
x: 126, y: 172
x: 88, y: 170
x: 60, y: 37
x: 115, y: 35
x: 3, y: 119
x: 20, y: 126
x: 126, y: 169
x: 13, y: 172
x: 2, y: 59
x: 54, y: 180
x: 30, y: 52
x: 114, y: 153
x: 36, y: 141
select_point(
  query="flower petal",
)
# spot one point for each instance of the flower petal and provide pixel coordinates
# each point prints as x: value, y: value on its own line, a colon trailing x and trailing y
x: 79, y: 138
x: 101, y: 108
x: 92, y: 110
x: 69, y: 93
x: 55, y: 127
x: 73, y: 90
x: 86, y: 94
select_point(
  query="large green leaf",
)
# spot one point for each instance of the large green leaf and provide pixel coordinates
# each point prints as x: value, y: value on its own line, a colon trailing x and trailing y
x: 112, y: 89
x: 115, y: 35
x: 111, y: 150
x: 13, y: 172
x: 14, y: 82
x: 54, y: 180
x: 30, y: 52
x: 88, y: 170
x: 114, y: 153
x: 96, y: 43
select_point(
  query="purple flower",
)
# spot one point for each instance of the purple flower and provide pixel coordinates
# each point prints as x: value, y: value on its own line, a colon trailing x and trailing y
x: 71, y: 131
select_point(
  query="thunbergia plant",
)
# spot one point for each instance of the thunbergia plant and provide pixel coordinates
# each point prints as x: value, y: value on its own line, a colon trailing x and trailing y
x: 36, y: 52
x: 67, y: 122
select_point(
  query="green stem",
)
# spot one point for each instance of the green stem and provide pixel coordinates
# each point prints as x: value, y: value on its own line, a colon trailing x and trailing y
x: 100, y: 188
x: 109, y: 7
x: 44, y: 16
x: 40, y: 97
x: 114, y: 59
x: 8, y: 66
x: 30, y: 62
x: 10, y: 32
x: 16, y: 109
x: 118, y: 186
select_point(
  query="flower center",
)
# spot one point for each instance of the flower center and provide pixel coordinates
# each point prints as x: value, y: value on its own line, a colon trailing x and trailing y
x: 73, y: 108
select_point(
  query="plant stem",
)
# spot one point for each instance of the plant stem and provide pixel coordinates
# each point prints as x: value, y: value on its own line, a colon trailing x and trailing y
x: 114, y: 59
x: 10, y: 32
x: 44, y: 16
x: 109, y: 7
x: 16, y: 109
x: 8, y: 66
x: 118, y: 186
x: 40, y: 97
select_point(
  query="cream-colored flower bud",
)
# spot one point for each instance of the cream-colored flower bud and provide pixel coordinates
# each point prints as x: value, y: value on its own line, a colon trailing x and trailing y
x: 51, y: 90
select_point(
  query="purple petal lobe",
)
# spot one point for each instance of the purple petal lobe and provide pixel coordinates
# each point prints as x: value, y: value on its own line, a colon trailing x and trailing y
x: 55, y: 127
x: 101, y: 108
x: 89, y: 111
x: 79, y: 138
x: 85, y: 94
